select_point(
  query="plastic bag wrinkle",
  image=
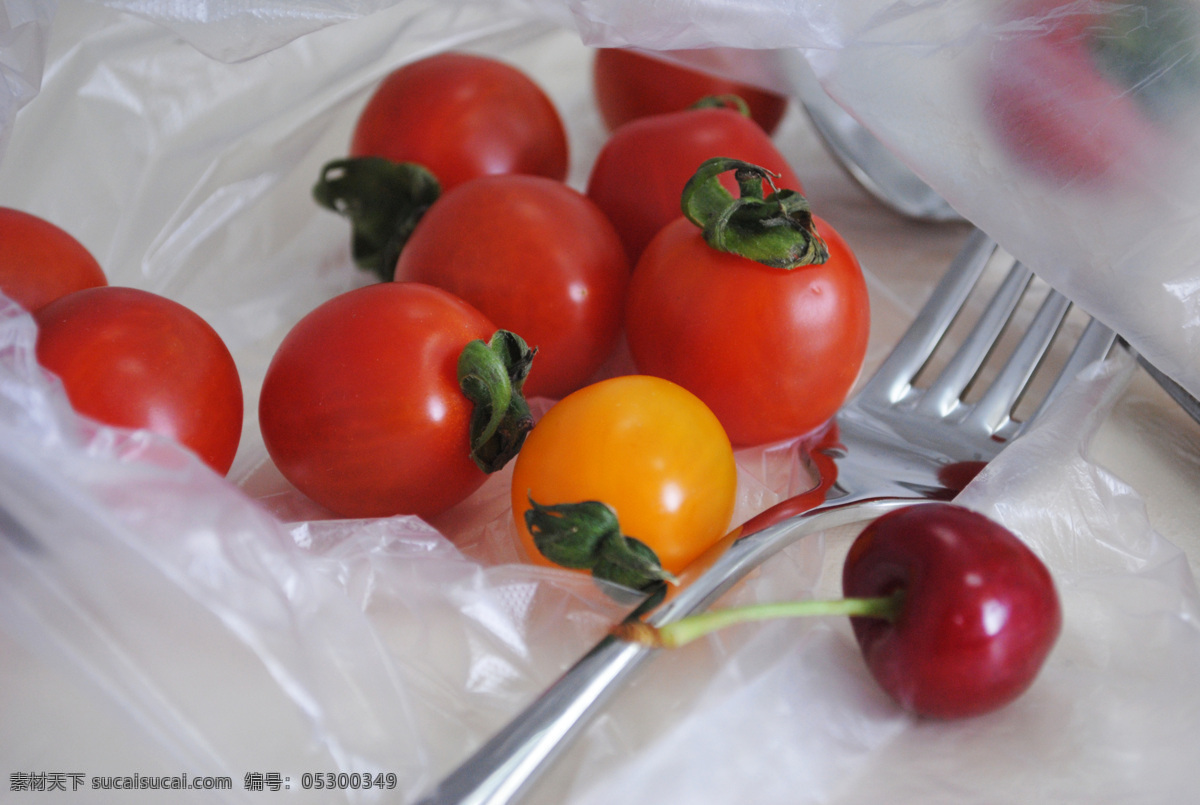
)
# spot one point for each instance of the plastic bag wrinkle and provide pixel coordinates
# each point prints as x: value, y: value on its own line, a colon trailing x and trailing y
x: 383, y: 645
x: 1068, y: 739
x: 24, y: 29
x: 142, y: 559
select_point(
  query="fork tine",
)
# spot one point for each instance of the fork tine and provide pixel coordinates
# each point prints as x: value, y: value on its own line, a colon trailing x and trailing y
x: 887, y: 455
x: 1094, y: 344
x: 945, y: 392
x: 894, y: 376
x: 995, y: 406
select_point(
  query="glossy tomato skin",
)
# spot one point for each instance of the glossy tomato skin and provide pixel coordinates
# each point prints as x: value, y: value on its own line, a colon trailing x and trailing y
x: 40, y: 261
x: 537, y: 258
x: 628, y: 85
x: 639, y: 174
x: 772, y: 352
x: 461, y: 116
x: 133, y: 359
x: 646, y: 447
x: 980, y: 612
x: 361, y: 408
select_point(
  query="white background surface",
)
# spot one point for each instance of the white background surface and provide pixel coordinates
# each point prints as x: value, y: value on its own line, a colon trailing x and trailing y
x: 168, y: 624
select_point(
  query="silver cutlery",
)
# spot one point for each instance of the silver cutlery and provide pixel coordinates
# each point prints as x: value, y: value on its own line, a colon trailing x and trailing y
x: 895, y: 443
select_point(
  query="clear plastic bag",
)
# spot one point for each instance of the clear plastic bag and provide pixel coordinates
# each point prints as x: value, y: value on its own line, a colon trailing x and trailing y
x: 1104, y: 210
x: 158, y: 620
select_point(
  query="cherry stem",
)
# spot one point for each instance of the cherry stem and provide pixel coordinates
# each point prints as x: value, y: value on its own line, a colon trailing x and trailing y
x: 776, y: 230
x: 685, y: 630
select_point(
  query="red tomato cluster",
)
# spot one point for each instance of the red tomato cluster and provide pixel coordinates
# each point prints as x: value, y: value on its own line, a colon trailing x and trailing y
x: 126, y: 358
x: 632, y: 477
x: 443, y: 191
x: 501, y: 281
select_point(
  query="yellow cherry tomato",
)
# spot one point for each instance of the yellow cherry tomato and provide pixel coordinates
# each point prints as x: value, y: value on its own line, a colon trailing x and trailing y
x: 649, y: 449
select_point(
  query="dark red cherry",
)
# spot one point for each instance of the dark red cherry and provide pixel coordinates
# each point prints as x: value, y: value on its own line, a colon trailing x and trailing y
x: 978, y: 616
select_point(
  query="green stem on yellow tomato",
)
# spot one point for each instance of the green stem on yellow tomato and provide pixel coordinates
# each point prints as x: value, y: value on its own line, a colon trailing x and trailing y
x: 685, y: 630
x: 587, y: 536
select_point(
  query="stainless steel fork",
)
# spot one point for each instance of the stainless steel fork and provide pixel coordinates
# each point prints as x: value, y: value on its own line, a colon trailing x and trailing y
x: 893, y: 443
x: 885, y: 177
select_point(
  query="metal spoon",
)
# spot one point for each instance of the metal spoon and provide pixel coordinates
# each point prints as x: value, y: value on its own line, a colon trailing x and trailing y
x: 863, y: 156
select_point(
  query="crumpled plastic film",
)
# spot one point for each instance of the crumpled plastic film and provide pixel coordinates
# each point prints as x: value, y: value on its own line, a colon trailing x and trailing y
x: 231, y: 31
x: 156, y: 619
x: 788, y: 714
x: 24, y: 25
x: 146, y: 606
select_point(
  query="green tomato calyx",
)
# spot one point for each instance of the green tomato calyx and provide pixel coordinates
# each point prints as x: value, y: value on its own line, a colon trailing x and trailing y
x: 587, y: 536
x: 492, y: 375
x: 731, y: 101
x: 775, y: 229
x: 384, y: 201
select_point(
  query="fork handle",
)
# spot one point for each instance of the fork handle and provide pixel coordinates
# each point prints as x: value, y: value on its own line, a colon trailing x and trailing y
x: 502, y: 768
x: 511, y: 760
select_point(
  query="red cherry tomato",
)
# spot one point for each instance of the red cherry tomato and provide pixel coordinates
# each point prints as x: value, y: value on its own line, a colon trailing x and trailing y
x: 772, y: 352
x: 1055, y: 110
x: 361, y: 408
x: 629, y: 84
x: 134, y: 359
x: 537, y: 258
x: 39, y: 262
x: 463, y: 116
x: 979, y: 614
x: 639, y: 174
